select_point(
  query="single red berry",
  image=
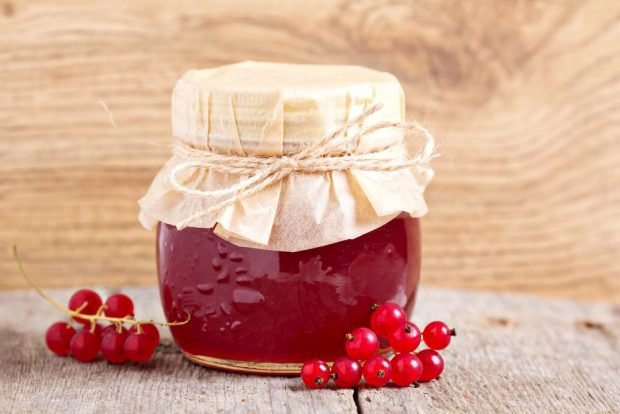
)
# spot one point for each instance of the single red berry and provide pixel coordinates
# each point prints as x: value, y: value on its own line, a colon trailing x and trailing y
x: 113, y: 328
x: 139, y: 347
x: 386, y: 318
x: 405, y: 338
x: 118, y: 306
x: 346, y: 372
x: 437, y: 335
x: 58, y: 338
x: 406, y: 369
x: 79, y: 298
x: 361, y: 343
x: 108, y: 330
x: 113, y: 346
x: 85, y: 345
x: 377, y: 371
x: 315, y: 373
x: 148, y: 329
x: 432, y: 364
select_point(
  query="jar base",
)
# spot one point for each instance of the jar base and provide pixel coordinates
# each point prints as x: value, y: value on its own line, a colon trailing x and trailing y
x: 289, y: 369
x: 246, y: 367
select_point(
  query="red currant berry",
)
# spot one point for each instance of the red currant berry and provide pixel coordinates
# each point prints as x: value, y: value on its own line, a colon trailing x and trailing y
x: 437, y: 335
x: 346, y: 372
x: 361, y: 343
x: 377, y: 371
x: 108, y: 330
x: 315, y: 373
x: 139, y: 347
x: 79, y: 298
x: 432, y: 364
x: 386, y: 318
x: 113, y: 346
x: 118, y: 306
x: 85, y: 346
x: 405, y: 338
x: 112, y: 328
x: 58, y: 338
x: 148, y: 329
x: 406, y: 369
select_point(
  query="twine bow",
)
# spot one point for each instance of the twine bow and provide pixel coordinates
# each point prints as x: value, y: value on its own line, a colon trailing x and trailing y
x: 334, y: 152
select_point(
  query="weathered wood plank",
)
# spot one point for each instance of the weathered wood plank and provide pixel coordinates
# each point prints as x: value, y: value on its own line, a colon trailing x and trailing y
x: 515, y: 354
x: 526, y: 112
x: 512, y: 354
x: 33, y: 380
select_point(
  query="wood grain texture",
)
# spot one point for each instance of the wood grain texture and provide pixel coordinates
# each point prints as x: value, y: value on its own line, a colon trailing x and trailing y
x: 513, y: 354
x: 35, y: 381
x: 524, y: 97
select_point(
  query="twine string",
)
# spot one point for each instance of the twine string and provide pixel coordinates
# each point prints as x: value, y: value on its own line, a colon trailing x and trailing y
x: 334, y: 152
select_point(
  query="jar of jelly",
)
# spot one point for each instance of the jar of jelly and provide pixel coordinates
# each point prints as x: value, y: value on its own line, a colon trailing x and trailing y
x: 291, y: 204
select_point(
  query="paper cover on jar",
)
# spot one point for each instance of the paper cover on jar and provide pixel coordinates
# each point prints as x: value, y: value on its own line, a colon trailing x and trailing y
x: 268, y: 111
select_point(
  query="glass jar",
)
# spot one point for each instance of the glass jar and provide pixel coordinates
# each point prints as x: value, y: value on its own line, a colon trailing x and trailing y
x: 290, y: 205
x: 266, y: 311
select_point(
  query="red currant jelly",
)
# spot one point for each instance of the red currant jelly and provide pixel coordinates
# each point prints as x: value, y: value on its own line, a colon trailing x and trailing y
x: 265, y: 311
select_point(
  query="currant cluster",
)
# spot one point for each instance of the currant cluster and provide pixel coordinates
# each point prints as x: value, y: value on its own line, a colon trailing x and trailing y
x: 362, y: 344
x: 115, y: 341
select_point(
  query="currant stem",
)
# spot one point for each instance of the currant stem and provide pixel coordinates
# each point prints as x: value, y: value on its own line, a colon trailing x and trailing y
x: 81, y: 307
x: 51, y: 300
x: 93, y: 324
x: 452, y: 332
x: 119, y: 327
x: 92, y: 319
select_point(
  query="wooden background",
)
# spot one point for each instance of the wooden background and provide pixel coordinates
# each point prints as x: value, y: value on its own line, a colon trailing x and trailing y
x: 524, y: 97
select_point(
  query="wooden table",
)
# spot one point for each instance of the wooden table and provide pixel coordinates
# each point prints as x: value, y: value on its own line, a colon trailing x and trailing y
x: 513, y: 353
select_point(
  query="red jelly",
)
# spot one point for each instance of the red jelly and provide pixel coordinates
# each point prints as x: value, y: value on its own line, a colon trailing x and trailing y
x: 267, y: 311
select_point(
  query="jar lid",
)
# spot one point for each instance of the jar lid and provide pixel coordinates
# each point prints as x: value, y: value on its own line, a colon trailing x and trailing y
x: 284, y: 120
x: 260, y: 108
